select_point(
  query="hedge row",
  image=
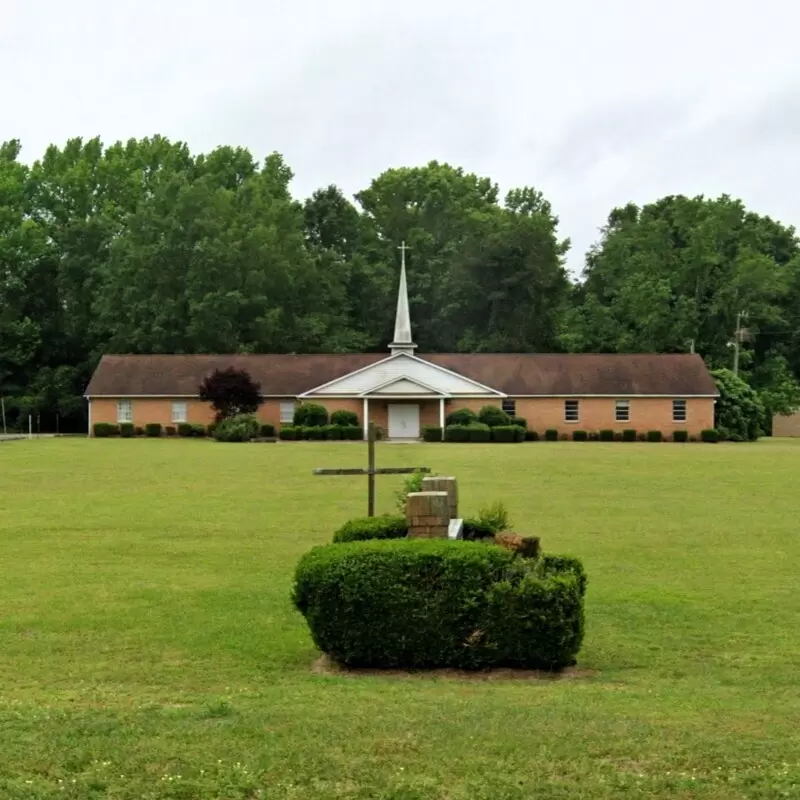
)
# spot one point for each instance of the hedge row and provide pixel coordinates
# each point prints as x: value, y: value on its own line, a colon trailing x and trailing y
x: 415, y: 603
x: 327, y: 432
x: 395, y: 526
x: 477, y: 432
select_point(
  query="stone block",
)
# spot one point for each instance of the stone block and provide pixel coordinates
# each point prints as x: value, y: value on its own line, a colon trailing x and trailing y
x: 441, y: 484
x: 428, y: 515
x: 526, y: 546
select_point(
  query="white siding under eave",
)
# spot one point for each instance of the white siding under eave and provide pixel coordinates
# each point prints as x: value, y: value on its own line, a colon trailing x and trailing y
x: 404, y: 387
x: 393, y: 369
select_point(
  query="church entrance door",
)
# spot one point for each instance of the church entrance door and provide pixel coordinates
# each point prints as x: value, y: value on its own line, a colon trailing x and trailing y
x: 403, y: 421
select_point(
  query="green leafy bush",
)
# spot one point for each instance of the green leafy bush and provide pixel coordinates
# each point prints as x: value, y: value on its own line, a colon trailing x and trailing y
x: 310, y: 415
x: 411, y: 483
x: 432, y: 433
x: 126, y: 430
x: 710, y: 436
x: 680, y: 436
x: 333, y: 432
x: 606, y: 435
x: 505, y: 433
x: 436, y: 603
x: 494, y: 516
x: 103, y: 430
x: 385, y: 527
x: 531, y: 436
x: 456, y: 433
x: 519, y: 421
x: 461, y: 416
x: 241, y: 428
x: 551, y: 435
x: 198, y: 430
x: 493, y: 416
x: 475, y: 530
x: 184, y: 429
x: 739, y: 408
x: 267, y: 430
x: 344, y: 418
x: 288, y: 433
x: 479, y: 432
x: 352, y: 432
x: 654, y: 436
x: 152, y: 429
x: 315, y: 432
x: 629, y: 435
x: 579, y: 436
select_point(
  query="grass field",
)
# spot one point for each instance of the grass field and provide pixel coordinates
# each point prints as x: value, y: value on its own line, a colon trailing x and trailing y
x: 148, y: 648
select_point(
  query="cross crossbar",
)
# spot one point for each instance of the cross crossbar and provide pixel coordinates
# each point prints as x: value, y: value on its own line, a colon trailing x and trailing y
x: 370, y: 471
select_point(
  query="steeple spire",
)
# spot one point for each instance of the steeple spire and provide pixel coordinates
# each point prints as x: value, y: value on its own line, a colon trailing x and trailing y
x: 402, y: 342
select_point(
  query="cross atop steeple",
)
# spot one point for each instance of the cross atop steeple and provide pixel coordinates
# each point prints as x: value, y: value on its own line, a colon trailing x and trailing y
x: 402, y: 342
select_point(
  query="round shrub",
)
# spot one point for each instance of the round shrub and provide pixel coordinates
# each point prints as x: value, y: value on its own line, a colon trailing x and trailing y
x: 462, y: 416
x: 551, y: 435
x: 606, y: 435
x: 493, y: 416
x: 579, y: 436
x: 344, y: 418
x: 680, y: 436
x: 364, y: 528
x: 710, y: 436
x: 126, y: 430
x: 629, y: 435
x: 414, y: 603
x: 152, y: 429
x: 654, y: 436
x: 241, y: 428
x: 310, y: 415
x: 520, y: 421
x: 531, y: 436
x: 184, y: 429
x: 267, y: 430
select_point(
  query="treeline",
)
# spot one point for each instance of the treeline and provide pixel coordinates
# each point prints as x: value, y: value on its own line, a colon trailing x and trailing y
x: 144, y: 247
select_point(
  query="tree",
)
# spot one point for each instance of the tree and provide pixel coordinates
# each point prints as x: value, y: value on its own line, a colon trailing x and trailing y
x: 231, y: 392
x: 739, y: 411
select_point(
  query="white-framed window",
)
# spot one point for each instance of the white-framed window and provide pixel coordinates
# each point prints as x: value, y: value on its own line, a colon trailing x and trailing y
x: 510, y: 406
x: 287, y: 412
x: 622, y: 411
x: 571, y: 411
x: 124, y: 411
x: 179, y: 411
x: 679, y: 411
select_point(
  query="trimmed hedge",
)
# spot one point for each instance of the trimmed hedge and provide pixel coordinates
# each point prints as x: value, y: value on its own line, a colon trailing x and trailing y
x: 456, y: 433
x: 710, y: 436
x: 267, y: 430
x: 432, y: 433
x: 126, y: 430
x: 580, y: 436
x: 103, y: 430
x: 435, y: 603
x: 352, y: 433
x: 241, y: 428
x: 344, y: 419
x: 493, y: 416
x: 655, y: 436
x: 606, y: 435
x: 629, y: 435
x: 680, y: 436
x: 507, y: 433
x: 519, y: 421
x: 333, y: 432
x: 474, y: 530
x: 461, y: 416
x: 152, y: 429
x: 531, y: 436
x: 288, y: 434
x: 479, y: 432
x: 310, y: 415
x: 184, y: 429
x: 551, y: 435
x: 364, y: 528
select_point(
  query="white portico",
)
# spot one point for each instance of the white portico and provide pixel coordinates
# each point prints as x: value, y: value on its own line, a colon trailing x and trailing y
x: 402, y: 393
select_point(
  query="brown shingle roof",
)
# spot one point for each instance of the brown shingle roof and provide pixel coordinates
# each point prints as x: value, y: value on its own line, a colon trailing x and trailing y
x: 514, y: 374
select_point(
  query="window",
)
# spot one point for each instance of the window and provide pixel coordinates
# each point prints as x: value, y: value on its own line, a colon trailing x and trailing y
x: 679, y: 411
x: 510, y: 406
x: 571, y: 411
x: 622, y: 411
x: 179, y: 411
x: 287, y: 413
x: 124, y: 411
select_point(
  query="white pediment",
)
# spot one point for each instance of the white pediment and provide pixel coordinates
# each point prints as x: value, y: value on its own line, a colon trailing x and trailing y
x: 403, y: 374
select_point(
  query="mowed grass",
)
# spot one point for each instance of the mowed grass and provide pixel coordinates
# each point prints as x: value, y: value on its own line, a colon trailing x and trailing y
x: 149, y: 649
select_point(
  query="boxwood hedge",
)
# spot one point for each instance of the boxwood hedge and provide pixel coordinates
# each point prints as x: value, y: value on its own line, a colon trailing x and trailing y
x: 359, y: 530
x: 416, y: 603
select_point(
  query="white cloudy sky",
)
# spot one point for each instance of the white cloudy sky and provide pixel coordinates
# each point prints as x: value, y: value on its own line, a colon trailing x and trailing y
x: 596, y: 102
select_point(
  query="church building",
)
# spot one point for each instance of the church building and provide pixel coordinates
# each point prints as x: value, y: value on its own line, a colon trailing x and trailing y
x: 403, y: 391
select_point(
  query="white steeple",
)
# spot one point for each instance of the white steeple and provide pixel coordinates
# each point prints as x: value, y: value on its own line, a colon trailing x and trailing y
x: 402, y: 342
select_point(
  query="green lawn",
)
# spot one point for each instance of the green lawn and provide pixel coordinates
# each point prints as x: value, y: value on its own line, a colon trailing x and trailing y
x: 148, y: 648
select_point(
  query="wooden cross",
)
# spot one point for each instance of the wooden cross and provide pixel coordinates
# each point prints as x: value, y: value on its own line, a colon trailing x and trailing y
x: 371, y: 471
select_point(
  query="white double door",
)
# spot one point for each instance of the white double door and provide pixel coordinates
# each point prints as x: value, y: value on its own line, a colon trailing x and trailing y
x: 403, y: 421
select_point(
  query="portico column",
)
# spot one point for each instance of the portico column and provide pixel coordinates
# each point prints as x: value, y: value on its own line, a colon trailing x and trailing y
x: 366, y: 418
x: 441, y: 415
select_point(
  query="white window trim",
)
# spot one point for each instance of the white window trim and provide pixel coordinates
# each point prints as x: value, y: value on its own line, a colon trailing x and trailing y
x: 618, y: 406
x: 184, y: 417
x: 509, y: 401
x: 577, y: 412
x: 685, y: 411
x: 127, y: 417
x: 285, y: 405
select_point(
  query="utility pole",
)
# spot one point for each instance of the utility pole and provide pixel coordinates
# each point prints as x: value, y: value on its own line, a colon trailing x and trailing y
x: 737, y: 340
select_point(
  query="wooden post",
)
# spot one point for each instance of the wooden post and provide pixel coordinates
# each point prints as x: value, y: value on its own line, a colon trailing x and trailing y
x: 371, y: 470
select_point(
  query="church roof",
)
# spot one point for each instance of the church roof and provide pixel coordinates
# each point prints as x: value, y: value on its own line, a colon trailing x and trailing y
x: 513, y: 374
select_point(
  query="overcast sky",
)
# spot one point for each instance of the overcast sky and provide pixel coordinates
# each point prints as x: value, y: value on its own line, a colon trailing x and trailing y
x: 595, y: 102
